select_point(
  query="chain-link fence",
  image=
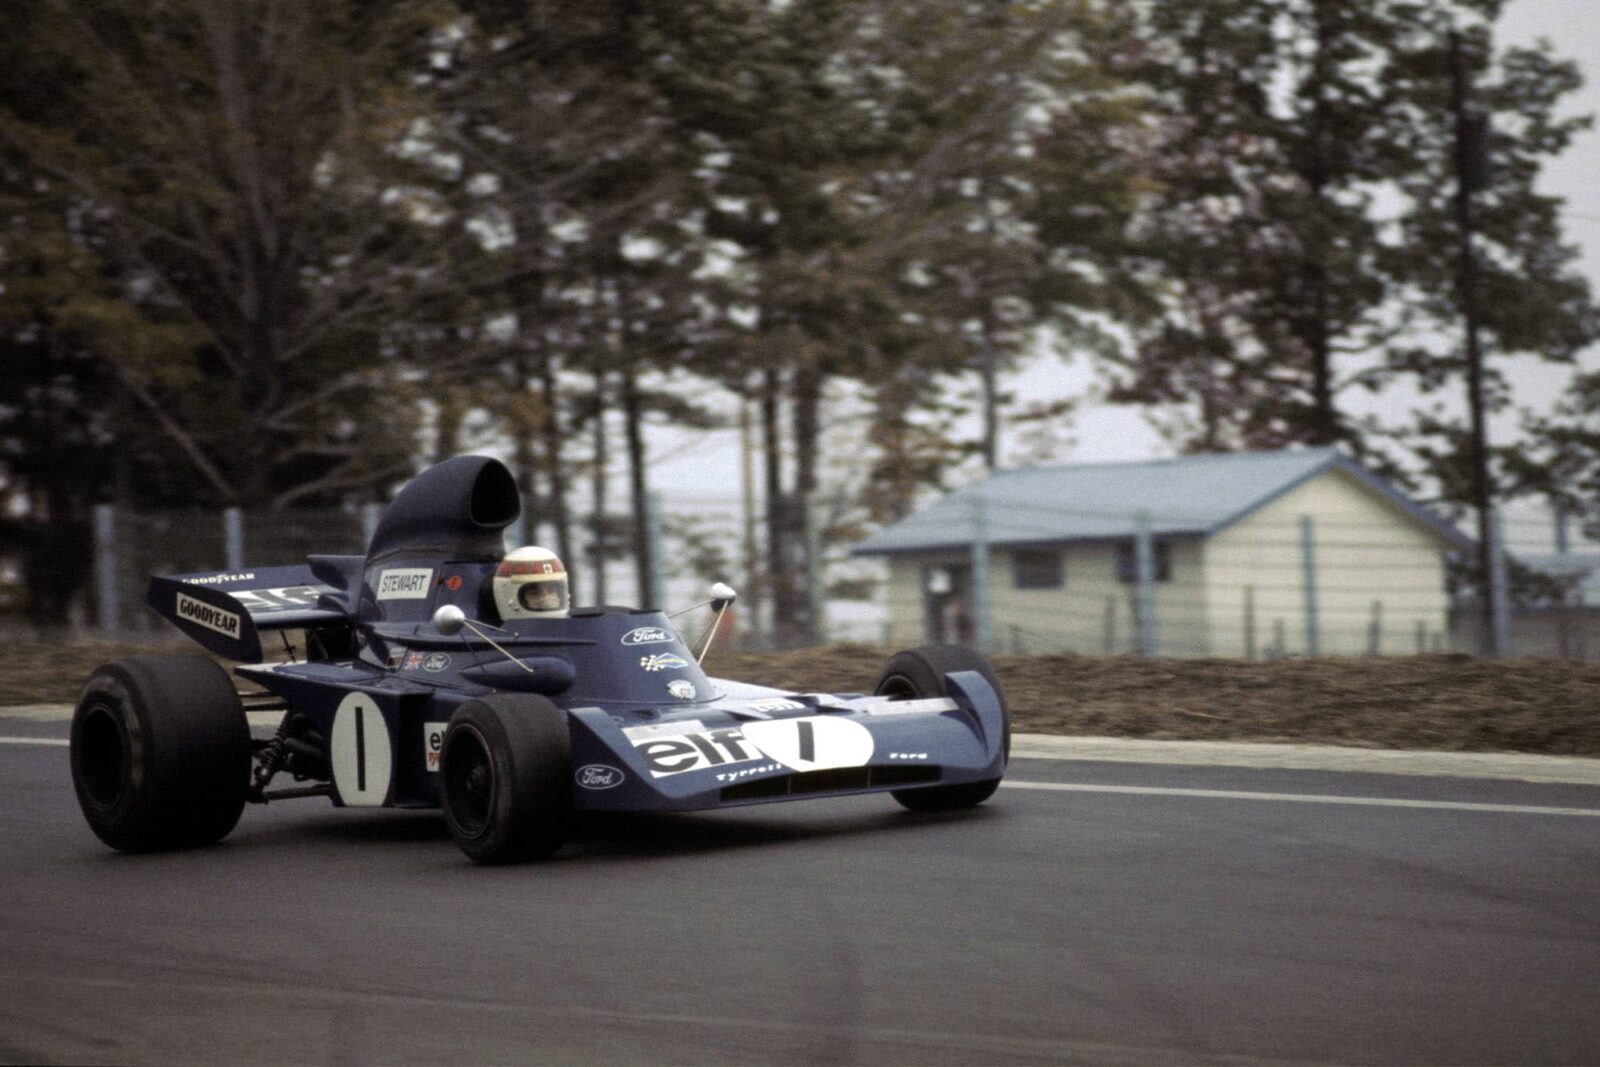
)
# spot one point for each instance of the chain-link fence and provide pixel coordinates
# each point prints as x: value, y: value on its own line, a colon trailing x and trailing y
x: 1277, y: 588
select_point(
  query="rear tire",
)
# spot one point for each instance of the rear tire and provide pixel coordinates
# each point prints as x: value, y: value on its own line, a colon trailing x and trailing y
x: 505, y: 772
x: 160, y: 753
x: 919, y: 673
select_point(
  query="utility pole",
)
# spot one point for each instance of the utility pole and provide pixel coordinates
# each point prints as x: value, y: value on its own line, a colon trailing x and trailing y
x: 1471, y: 135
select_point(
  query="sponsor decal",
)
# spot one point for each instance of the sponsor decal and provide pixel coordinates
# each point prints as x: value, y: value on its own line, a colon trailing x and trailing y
x: 213, y: 618
x: 663, y: 729
x: 287, y: 598
x: 647, y: 635
x: 413, y: 661
x: 406, y: 583
x: 810, y: 743
x: 775, y: 705
x: 218, y: 579
x: 693, y: 752
x: 734, y: 776
x: 598, y: 776
x: 885, y: 706
x: 453, y: 583
x: 663, y: 661
x: 435, y: 662
x: 433, y: 743
x: 682, y: 689
x: 908, y: 755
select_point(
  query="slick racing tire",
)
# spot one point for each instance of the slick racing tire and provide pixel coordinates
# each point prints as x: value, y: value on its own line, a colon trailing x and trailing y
x: 160, y: 753
x: 505, y: 772
x: 919, y: 673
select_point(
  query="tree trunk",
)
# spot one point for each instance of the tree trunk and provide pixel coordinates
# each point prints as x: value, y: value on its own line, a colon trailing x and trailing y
x: 780, y: 576
x: 807, y: 433
x: 521, y: 429
x: 554, y: 465
x: 638, y: 488
x: 597, y: 521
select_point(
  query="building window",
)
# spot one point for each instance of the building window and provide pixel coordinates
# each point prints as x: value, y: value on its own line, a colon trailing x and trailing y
x: 1128, y: 562
x: 1037, y: 570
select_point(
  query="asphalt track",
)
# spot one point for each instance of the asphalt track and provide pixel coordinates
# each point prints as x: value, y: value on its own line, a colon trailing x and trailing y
x: 1128, y: 913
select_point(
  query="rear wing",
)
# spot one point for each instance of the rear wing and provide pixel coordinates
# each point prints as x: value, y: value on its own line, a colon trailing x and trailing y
x: 226, y: 612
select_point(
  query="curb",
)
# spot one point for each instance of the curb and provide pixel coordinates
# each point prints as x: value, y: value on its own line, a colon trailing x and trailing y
x: 1512, y: 766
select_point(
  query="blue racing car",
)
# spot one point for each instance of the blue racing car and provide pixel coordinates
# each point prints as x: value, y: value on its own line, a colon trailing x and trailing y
x: 439, y: 670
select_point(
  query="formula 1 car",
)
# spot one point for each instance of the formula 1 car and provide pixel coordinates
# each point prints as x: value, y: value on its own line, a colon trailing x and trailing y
x: 413, y: 691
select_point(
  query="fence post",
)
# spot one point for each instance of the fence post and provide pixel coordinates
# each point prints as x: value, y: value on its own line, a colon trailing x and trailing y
x: 1111, y: 625
x: 1375, y: 630
x: 108, y: 610
x: 980, y: 572
x: 1500, y: 636
x: 1308, y: 564
x: 1422, y: 638
x: 232, y: 539
x: 1249, y: 622
x: 654, y: 598
x: 370, y: 514
x: 1144, y: 558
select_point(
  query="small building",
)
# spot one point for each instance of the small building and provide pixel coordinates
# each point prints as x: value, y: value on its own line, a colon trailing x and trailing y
x: 1290, y: 552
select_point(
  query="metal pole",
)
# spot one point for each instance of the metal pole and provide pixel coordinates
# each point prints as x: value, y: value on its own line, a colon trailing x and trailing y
x: 653, y: 598
x: 1308, y: 579
x: 1499, y: 616
x: 1144, y: 558
x: 232, y: 539
x: 107, y: 608
x: 980, y: 573
x: 1249, y: 622
x: 370, y: 514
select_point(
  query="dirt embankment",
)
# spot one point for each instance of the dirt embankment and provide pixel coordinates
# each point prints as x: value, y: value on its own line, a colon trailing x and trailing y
x: 1431, y: 702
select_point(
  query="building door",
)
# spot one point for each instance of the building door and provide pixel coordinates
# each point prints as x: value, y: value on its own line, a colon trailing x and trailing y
x: 947, y: 603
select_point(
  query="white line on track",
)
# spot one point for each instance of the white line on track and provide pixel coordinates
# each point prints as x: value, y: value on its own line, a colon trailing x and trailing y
x: 1204, y: 794
x: 1300, y: 798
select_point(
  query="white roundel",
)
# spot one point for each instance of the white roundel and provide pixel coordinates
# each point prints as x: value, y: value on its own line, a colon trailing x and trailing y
x: 812, y: 743
x: 359, y: 751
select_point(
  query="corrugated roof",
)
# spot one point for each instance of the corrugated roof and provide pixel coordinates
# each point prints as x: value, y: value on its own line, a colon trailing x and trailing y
x: 1187, y: 496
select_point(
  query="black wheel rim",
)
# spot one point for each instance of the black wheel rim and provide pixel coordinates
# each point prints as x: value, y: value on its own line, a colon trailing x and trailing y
x: 469, y: 780
x: 102, y: 755
x: 898, y: 687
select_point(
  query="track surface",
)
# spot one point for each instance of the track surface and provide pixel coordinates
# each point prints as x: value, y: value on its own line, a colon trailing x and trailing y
x: 1048, y: 926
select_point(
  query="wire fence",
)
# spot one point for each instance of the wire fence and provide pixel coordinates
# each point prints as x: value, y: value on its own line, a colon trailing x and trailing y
x: 1269, y: 586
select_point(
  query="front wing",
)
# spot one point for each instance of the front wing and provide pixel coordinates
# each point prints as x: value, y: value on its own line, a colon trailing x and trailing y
x: 799, y: 746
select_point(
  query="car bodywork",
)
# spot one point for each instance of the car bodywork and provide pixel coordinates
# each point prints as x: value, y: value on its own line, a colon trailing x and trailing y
x: 367, y: 705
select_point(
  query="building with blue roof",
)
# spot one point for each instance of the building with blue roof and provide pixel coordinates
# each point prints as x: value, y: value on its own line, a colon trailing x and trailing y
x: 1282, y: 552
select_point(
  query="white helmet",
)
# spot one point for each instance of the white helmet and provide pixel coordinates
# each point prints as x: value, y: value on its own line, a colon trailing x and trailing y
x: 531, y: 583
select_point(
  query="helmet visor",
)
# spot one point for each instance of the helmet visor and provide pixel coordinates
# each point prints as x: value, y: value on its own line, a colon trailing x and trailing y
x: 543, y: 596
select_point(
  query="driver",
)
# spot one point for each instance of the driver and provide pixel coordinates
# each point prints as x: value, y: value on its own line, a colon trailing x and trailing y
x: 531, y: 583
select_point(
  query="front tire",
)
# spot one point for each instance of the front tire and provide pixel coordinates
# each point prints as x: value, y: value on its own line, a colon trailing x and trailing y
x: 505, y: 772
x: 160, y: 753
x: 919, y: 673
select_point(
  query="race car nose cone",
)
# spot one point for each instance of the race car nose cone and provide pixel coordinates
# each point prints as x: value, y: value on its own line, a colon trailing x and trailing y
x: 449, y: 619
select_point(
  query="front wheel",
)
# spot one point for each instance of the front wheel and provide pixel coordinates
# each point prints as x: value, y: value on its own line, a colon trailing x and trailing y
x: 160, y: 753
x: 919, y: 673
x: 505, y: 774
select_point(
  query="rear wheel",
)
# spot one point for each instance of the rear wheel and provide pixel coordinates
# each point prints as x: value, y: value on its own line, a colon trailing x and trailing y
x: 919, y: 673
x: 505, y: 769
x: 160, y: 753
